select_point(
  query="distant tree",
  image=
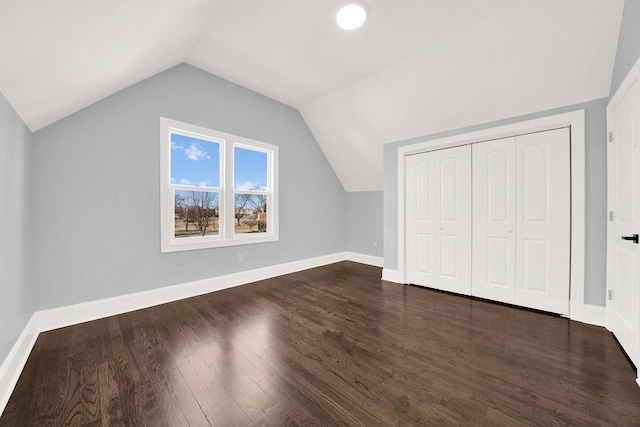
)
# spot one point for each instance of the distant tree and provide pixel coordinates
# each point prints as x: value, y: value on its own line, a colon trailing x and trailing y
x: 251, y: 223
x: 261, y: 207
x: 261, y: 203
x: 201, y: 208
x: 181, y: 209
x: 242, y: 202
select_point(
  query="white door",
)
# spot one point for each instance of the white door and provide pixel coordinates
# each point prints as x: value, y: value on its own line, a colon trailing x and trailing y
x: 438, y: 209
x: 623, y: 256
x: 421, y: 224
x: 494, y: 222
x: 543, y: 218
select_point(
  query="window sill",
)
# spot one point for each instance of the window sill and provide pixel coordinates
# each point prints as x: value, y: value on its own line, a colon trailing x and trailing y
x: 168, y: 247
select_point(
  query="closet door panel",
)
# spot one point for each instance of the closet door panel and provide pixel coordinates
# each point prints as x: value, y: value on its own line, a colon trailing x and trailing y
x: 453, y: 219
x: 493, y: 272
x: 543, y: 209
x: 438, y: 209
x: 420, y: 205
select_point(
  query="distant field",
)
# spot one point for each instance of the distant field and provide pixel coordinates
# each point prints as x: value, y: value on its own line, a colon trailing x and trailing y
x: 248, y: 226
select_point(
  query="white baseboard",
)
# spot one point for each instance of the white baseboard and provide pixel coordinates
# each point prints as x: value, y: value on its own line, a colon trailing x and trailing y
x: 376, y: 261
x: 87, y: 311
x: 594, y: 315
x: 391, y: 275
x: 13, y: 364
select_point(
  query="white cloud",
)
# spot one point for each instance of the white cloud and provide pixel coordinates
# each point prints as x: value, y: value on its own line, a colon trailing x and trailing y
x: 248, y: 185
x: 195, y: 152
x: 173, y: 180
x: 185, y: 181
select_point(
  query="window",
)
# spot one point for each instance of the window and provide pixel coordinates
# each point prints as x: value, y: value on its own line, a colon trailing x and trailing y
x: 216, y: 189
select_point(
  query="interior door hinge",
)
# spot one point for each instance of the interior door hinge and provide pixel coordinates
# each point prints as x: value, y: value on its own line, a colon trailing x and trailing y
x: 610, y: 294
x: 610, y: 215
x: 610, y: 136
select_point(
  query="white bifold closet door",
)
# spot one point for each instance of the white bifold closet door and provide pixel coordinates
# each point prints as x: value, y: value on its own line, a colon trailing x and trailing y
x: 494, y: 220
x: 521, y: 220
x: 438, y: 213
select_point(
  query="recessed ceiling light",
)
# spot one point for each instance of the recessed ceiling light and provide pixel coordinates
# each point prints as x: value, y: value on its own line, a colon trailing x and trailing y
x: 351, y: 16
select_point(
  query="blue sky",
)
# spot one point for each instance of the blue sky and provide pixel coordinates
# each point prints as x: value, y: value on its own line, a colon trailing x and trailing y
x: 250, y: 169
x: 197, y: 162
x: 194, y: 161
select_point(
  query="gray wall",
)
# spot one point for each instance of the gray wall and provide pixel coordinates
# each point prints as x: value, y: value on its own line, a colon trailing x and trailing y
x: 96, y: 189
x: 364, y: 222
x: 15, y: 303
x: 596, y: 192
x: 628, y: 43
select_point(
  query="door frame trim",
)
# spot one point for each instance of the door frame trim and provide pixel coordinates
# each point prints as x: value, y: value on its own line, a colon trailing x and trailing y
x: 576, y: 121
x: 629, y: 80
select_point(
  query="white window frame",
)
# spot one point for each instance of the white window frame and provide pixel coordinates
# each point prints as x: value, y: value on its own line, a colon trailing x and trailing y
x: 226, y: 201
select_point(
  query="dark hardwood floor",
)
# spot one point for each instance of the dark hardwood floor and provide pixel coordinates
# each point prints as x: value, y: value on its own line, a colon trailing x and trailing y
x: 330, y: 346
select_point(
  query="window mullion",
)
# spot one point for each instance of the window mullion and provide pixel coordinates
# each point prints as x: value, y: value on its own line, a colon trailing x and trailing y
x: 229, y: 203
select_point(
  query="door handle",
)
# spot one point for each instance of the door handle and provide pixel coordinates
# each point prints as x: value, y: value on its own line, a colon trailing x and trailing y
x: 634, y: 238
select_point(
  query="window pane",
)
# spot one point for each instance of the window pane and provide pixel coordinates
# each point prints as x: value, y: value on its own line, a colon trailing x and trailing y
x: 196, y: 213
x: 194, y: 161
x: 251, y: 213
x: 249, y: 169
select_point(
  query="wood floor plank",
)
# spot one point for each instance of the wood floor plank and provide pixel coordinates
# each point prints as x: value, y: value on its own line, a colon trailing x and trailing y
x: 150, y: 342
x: 124, y: 395
x: 328, y: 346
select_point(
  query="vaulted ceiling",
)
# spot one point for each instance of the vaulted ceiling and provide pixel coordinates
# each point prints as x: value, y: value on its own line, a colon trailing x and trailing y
x: 415, y: 67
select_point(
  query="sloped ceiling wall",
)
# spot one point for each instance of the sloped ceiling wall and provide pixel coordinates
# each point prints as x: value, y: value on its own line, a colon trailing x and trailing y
x: 416, y: 66
x: 521, y: 60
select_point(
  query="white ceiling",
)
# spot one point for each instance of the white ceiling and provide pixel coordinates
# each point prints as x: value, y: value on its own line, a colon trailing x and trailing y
x: 416, y: 66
